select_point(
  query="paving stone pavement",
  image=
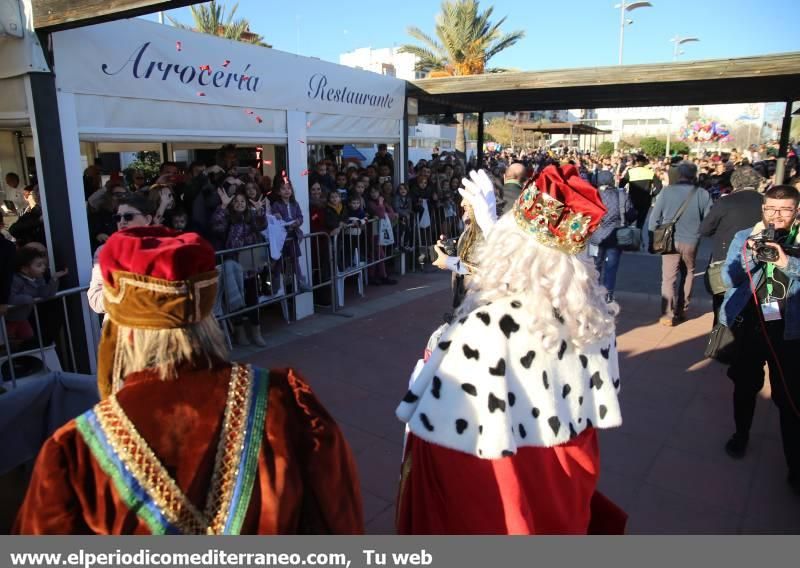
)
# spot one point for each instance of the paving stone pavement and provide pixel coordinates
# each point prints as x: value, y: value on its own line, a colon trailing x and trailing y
x: 665, y: 465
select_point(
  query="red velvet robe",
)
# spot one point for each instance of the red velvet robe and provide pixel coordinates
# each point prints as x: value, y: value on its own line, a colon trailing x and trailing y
x: 536, y: 491
x: 306, y: 477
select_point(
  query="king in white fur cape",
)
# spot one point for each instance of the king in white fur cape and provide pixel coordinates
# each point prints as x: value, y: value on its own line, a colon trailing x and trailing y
x: 512, y: 395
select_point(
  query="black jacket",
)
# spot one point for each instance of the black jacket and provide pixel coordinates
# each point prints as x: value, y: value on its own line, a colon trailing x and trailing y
x: 8, y: 253
x: 737, y: 211
x: 29, y: 228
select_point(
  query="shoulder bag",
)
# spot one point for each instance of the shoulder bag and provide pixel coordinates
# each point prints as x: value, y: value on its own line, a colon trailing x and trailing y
x: 722, y: 342
x: 664, y: 235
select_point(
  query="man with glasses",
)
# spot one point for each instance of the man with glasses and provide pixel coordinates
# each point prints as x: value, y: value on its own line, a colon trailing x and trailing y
x: 762, y: 306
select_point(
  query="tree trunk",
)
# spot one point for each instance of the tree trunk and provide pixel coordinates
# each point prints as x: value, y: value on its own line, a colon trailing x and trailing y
x: 461, y: 134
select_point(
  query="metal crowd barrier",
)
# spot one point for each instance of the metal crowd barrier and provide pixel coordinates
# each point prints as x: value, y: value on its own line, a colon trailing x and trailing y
x: 52, y: 342
x: 359, y: 253
x: 304, y: 266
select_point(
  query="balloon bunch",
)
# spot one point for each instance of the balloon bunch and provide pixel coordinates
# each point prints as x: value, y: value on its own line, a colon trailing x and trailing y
x: 705, y: 130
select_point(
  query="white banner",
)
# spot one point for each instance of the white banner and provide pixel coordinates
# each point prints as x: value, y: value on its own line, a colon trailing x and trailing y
x: 144, y: 60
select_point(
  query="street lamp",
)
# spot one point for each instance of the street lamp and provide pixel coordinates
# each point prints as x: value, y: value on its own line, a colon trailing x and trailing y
x: 677, y: 51
x: 625, y: 6
x: 679, y: 41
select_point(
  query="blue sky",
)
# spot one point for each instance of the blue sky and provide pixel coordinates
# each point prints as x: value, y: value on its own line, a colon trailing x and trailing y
x: 559, y: 34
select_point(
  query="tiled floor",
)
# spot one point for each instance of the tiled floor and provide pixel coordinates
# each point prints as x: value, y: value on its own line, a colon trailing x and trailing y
x: 665, y: 465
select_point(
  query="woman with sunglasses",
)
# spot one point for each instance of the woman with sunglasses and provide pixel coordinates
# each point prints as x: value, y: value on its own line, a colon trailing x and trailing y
x: 132, y: 211
x: 101, y: 218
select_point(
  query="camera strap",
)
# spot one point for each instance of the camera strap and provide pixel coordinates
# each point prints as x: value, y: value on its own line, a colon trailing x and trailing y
x: 770, y: 269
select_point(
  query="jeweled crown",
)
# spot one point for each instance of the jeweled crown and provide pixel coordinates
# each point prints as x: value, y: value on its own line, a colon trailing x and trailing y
x: 562, y: 213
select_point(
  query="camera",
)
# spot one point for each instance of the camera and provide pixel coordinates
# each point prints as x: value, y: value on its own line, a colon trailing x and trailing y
x: 450, y: 247
x: 765, y: 253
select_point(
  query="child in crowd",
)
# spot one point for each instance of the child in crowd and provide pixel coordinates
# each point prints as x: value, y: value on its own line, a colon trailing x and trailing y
x: 354, y: 235
x: 403, y: 206
x: 335, y: 219
x: 288, y: 210
x: 359, y: 189
x: 387, y: 192
x: 379, y: 209
x: 179, y: 220
x: 27, y: 286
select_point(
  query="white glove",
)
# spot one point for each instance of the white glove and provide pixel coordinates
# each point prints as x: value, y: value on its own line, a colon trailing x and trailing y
x: 479, y: 192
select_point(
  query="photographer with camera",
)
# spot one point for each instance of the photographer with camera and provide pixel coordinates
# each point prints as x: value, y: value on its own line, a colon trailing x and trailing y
x: 480, y: 215
x: 762, y: 308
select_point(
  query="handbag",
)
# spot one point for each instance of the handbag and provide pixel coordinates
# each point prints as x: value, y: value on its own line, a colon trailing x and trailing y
x: 664, y: 235
x: 629, y: 237
x: 721, y: 343
x: 713, y: 279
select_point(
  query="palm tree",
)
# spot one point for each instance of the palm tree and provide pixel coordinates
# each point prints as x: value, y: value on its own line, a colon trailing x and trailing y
x: 211, y: 19
x: 465, y: 41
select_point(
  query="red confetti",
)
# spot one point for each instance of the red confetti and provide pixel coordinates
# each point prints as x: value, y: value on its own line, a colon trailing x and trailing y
x: 304, y: 173
x: 201, y: 94
x: 245, y: 77
x: 259, y: 119
x: 248, y: 111
x: 227, y: 62
x: 205, y: 68
x: 178, y: 45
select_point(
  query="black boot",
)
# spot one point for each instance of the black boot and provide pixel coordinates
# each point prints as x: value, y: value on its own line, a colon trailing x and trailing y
x: 736, y: 447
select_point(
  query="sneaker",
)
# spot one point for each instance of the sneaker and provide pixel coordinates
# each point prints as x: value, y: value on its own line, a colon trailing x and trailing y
x: 680, y: 318
x: 667, y: 321
x: 609, y: 297
x: 736, y: 447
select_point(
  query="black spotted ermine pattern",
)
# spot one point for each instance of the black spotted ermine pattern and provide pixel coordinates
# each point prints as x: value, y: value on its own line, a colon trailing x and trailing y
x: 490, y: 387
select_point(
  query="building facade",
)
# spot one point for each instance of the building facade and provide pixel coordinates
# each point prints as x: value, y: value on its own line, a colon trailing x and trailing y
x: 384, y: 61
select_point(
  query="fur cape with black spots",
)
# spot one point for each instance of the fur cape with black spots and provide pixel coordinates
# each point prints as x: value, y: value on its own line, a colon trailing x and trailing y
x: 489, y: 387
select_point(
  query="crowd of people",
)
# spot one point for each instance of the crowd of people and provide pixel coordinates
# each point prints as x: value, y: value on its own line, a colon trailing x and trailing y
x: 367, y: 215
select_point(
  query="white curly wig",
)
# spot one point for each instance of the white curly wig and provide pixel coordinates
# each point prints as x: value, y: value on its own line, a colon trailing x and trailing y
x: 557, y: 285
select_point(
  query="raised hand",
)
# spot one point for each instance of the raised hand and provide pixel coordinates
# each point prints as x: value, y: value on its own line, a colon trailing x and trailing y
x: 478, y: 190
x: 258, y: 203
x: 224, y: 198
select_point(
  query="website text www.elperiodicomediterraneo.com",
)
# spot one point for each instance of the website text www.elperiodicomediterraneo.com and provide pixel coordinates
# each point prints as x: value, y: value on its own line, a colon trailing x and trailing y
x: 215, y: 557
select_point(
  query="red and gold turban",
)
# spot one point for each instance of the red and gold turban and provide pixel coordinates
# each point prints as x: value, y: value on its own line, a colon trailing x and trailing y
x: 154, y: 279
x: 560, y: 209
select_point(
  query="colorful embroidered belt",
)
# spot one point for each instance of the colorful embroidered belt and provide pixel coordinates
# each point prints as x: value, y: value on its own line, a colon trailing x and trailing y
x: 144, y: 484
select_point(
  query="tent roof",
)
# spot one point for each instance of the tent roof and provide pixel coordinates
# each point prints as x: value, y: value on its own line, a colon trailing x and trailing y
x: 350, y: 152
x: 560, y: 127
x: 717, y: 81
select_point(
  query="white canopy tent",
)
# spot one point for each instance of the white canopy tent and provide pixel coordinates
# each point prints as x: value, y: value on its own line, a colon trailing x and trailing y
x: 20, y: 55
x: 138, y: 81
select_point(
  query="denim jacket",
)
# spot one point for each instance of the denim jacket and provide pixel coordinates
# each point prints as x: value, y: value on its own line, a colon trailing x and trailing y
x: 739, y: 293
